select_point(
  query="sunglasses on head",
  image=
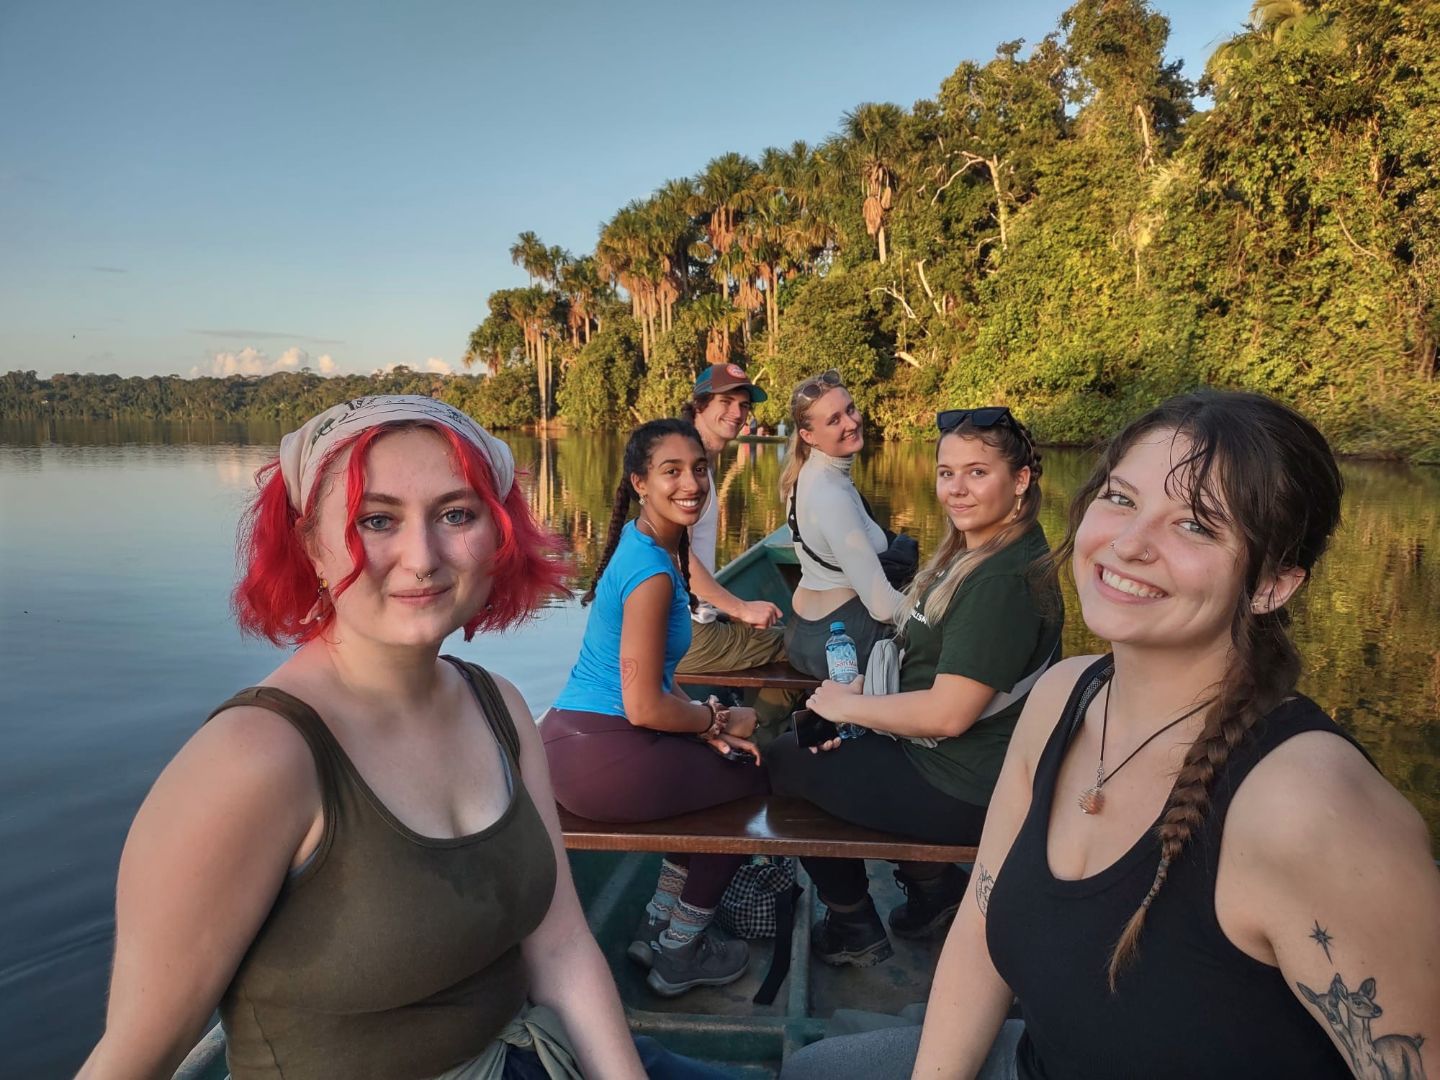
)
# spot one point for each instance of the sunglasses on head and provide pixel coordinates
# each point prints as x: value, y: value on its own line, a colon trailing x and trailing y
x: 811, y: 389
x: 987, y: 417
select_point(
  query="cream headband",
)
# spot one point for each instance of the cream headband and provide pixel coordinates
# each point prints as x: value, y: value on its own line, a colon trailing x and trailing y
x: 303, y: 451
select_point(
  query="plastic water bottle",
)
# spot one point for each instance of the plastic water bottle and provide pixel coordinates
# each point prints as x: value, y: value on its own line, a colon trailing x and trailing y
x: 843, y: 664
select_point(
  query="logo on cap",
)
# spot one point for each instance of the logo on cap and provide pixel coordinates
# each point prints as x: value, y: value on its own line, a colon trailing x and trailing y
x: 736, y: 372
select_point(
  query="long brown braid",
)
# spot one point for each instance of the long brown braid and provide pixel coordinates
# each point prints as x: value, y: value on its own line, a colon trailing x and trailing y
x: 1264, y: 471
x: 635, y: 462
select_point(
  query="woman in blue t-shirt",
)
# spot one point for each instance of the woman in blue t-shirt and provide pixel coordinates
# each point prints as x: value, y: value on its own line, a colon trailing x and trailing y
x: 624, y: 743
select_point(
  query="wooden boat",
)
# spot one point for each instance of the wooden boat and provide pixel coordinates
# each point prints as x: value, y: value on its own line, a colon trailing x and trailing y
x: 721, y: 1024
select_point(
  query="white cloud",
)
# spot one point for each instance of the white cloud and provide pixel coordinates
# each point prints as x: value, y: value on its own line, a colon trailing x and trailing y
x: 253, y: 361
x: 434, y: 365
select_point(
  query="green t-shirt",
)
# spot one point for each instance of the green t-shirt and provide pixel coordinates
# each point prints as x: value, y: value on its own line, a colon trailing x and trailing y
x: 1000, y: 626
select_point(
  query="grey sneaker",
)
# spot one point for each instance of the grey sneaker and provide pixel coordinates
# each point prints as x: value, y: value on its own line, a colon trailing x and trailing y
x: 708, y: 959
x: 646, y: 939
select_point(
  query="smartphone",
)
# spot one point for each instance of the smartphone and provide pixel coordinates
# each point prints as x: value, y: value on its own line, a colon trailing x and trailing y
x: 812, y: 729
x: 740, y: 757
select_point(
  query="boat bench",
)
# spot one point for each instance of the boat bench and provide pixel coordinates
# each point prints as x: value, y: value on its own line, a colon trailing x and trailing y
x: 755, y: 825
x: 776, y: 676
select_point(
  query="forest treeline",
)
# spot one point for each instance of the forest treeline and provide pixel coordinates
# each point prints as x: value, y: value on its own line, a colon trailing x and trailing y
x: 507, y: 400
x: 1060, y: 228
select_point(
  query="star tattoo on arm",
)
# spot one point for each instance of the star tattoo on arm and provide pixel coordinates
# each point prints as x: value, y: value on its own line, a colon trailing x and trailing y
x: 1321, y: 937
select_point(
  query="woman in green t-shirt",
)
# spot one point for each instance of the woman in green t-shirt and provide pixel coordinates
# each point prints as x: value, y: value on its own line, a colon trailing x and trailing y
x: 980, y: 629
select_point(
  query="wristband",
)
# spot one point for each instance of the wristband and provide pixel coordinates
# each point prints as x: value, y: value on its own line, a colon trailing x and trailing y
x: 717, y: 718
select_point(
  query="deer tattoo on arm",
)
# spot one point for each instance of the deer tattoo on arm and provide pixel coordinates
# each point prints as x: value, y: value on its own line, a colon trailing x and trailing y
x: 1349, y: 1012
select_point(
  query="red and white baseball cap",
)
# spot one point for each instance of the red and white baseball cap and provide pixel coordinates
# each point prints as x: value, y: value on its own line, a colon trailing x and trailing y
x: 717, y: 378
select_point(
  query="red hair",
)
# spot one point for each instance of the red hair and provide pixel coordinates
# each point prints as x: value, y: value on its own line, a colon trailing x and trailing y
x: 278, y: 585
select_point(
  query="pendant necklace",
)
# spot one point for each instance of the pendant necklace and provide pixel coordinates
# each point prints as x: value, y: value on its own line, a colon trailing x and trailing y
x: 640, y: 522
x: 1092, y: 799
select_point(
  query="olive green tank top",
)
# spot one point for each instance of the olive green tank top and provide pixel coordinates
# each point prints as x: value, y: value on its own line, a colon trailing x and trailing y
x: 389, y: 954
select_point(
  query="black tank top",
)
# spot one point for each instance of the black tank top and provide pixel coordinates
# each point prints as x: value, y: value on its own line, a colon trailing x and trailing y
x: 1192, y: 1004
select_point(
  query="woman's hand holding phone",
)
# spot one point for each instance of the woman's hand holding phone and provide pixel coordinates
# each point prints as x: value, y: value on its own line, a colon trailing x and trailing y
x: 815, y: 732
x: 735, y: 747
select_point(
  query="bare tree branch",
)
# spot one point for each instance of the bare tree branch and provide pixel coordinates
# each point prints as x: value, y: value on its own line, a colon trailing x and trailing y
x: 920, y: 268
x: 901, y: 354
x: 971, y: 162
x: 1363, y: 250
x: 889, y: 290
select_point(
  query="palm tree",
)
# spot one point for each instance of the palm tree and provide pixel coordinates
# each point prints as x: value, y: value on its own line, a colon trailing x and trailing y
x: 721, y: 197
x: 1274, y: 23
x: 528, y: 252
x: 627, y: 255
x: 579, y: 281
x: 718, y: 318
x: 534, y: 310
x: 874, y: 136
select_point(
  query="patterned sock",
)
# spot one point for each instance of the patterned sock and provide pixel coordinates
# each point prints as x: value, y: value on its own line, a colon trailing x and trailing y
x: 667, y: 889
x: 686, y: 921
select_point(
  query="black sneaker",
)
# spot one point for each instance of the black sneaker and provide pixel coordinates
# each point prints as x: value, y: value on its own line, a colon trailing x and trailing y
x: 853, y: 938
x: 646, y: 939
x: 930, y: 904
x: 708, y: 959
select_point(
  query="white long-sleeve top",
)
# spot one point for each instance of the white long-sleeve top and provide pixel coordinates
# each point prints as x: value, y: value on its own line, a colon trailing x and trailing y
x: 835, y: 526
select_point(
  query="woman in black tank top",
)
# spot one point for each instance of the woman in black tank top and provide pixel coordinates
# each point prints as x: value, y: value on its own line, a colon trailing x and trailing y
x: 1154, y: 912
x: 1187, y: 869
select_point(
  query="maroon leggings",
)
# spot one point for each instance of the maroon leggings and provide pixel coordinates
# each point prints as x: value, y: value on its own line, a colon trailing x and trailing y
x: 605, y: 769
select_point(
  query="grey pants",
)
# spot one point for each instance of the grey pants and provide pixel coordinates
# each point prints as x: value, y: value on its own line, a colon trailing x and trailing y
x: 805, y: 638
x: 889, y: 1054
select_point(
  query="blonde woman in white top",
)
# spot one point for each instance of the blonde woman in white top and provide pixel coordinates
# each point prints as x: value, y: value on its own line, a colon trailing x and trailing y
x: 838, y: 543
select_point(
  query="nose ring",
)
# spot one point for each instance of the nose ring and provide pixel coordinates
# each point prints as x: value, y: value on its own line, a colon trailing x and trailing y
x: 424, y: 577
x: 1145, y: 555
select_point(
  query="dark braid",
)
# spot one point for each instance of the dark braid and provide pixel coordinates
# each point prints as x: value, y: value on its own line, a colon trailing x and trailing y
x: 636, y: 462
x: 682, y: 555
x: 619, y: 514
x: 1264, y: 471
x: 1263, y: 672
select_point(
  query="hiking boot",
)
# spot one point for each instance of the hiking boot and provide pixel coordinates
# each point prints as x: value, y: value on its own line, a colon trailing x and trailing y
x: 854, y: 938
x: 646, y: 939
x: 930, y: 903
x: 708, y: 959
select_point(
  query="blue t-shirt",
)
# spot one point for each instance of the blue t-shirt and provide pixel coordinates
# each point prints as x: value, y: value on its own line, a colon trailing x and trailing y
x: 594, y: 683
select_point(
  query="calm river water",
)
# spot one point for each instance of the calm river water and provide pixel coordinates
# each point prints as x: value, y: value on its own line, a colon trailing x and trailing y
x: 116, y: 556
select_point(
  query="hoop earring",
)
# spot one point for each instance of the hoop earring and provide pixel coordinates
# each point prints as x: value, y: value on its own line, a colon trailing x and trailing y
x: 317, y: 609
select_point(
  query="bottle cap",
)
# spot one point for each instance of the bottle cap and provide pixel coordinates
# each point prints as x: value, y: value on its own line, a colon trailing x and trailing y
x: 837, y: 627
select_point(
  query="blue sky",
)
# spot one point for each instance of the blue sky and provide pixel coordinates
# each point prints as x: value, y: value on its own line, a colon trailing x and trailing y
x: 216, y: 185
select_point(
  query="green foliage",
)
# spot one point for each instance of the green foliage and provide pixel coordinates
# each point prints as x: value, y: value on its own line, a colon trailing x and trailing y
x: 1058, y: 230
x: 670, y: 376
x: 507, y: 399
x: 601, y: 381
x: 829, y: 323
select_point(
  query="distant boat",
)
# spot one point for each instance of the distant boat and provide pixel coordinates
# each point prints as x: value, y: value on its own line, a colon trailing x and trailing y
x: 719, y: 1024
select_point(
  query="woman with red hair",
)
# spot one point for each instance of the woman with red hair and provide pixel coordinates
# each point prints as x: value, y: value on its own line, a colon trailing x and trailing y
x: 358, y: 860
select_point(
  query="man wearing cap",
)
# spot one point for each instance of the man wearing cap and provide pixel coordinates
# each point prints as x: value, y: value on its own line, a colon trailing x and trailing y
x: 720, y: 405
